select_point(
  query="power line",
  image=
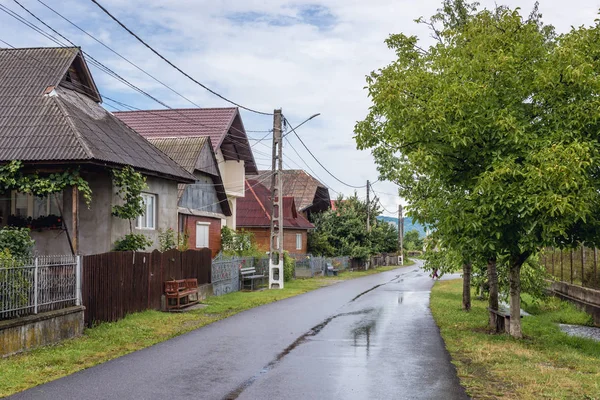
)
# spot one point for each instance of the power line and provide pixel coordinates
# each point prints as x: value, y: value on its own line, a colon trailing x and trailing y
x: 108, y: 48
x: 173, y: 65
x: 317, y: 160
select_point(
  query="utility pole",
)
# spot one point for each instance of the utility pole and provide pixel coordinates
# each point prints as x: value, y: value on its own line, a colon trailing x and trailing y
x: 276, y: 242
x: 401, y: 234
x: 368, y: 209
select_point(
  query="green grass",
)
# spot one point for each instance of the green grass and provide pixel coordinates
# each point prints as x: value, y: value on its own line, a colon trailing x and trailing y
x: 546, y: 364
x: 137, y: 331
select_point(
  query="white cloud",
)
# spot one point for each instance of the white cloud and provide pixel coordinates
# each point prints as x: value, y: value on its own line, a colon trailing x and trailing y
x: 281, y: 60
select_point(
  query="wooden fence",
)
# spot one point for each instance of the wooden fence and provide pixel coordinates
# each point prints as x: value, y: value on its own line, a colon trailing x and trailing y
x: 118, y: 283
x: 576, y: 266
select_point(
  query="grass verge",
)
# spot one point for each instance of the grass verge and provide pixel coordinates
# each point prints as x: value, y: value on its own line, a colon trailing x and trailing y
x: 546, y: 364
x: 137, y: 331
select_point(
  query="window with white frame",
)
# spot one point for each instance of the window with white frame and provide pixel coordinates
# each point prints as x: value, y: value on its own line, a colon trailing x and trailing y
x: 27, y: 205
x: 202, y: 231
x: 298, y: 241
x: 148, y: 219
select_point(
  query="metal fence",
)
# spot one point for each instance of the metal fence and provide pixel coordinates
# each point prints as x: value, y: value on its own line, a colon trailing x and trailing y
x: 308, y: 266
x: 226, y: 271
x: 39, y: 284
x: 576, y: 266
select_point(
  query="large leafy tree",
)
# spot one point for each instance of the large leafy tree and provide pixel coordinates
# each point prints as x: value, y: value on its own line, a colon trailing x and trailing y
x: 343, y: 231
x: 492, y: 133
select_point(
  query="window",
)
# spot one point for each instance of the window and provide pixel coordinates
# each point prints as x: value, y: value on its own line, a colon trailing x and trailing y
x: 27, y: 205
x: 298, y: 241
x: 202, y: 234
x: 148, y: 219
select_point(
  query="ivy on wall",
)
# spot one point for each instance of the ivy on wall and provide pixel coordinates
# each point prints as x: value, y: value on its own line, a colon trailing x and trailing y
x: 12, y: 177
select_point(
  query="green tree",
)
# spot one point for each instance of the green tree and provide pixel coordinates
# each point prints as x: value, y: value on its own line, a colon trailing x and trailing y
x: 492, y: 131
x: 343, y: 231
x: 412, y: 240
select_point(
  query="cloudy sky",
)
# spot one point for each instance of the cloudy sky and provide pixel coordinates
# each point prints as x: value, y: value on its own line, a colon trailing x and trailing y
x: 304, y: 56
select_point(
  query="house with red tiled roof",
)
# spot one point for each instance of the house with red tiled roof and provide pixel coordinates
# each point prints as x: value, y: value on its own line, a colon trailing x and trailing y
x: 227, y: 135
x: 254, y: 215
x: 52, y: 121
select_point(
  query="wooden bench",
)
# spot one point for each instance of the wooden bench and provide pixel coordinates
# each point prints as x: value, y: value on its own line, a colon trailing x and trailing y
x: 184, y: 292
x: 502, y: 319
x: 249, y: 275
x: 331, y: 271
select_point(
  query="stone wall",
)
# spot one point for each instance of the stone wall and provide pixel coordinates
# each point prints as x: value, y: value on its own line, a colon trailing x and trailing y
x: 21, y: 334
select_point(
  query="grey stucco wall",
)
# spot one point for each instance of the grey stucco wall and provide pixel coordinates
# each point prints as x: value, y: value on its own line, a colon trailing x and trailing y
x: 98, y: 229
x: 201, y: 195
x: 166, y: 203
x: 94, y: 221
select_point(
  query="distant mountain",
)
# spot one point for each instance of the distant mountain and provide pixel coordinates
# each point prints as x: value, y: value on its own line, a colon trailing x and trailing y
x: 409, y: 225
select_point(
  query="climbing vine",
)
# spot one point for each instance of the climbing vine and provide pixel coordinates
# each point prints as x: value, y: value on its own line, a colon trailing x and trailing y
x: 130, y: 185
x: 12, y: 177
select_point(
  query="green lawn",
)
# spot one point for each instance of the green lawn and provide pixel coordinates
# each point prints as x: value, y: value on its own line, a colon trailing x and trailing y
x: 136, y: 331
x: 546, y: 364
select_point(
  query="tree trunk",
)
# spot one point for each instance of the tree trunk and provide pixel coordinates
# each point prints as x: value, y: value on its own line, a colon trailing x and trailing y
x: 467, y: 286
x: 514, y: 277
x: 492, y: 275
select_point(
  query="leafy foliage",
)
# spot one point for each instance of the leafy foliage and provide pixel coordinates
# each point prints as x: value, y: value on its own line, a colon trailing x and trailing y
x: 412, y: 240
x: 16, y: 241
x: 130, y: 185
x: 289, y: 267
x: 239, y: 243
x: 12, y: 177
x: 166, y: 240
x: 343, y: 232
x: 491, y: 133
x: 133, y: 242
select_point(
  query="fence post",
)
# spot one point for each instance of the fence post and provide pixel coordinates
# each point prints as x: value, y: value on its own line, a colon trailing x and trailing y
x: 582, y: 265
x: 553, y: 251
x: 35, y: 285
x: 78, y: 280
x: 571, y: 251
x: 595, y: 268
x: 561, y: 267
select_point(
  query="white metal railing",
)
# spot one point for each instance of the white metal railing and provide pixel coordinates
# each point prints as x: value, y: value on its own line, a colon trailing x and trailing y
x: 39, y: 284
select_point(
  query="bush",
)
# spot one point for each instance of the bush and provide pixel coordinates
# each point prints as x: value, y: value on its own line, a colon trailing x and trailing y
x: 289, y: 267
x: 240, y: 243
x: 166, y: 240
x: 17, y: 241
x: 133, y: 242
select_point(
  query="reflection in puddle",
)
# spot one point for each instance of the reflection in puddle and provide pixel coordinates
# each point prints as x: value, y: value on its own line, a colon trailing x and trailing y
x: 363, y: 331
x: 400, y: 299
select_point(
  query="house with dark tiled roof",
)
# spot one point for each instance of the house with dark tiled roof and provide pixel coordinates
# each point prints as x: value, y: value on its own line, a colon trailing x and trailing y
x: 224, y: 128
x: 202, y: 205
x: 310, y: 195
x: 51, y: 119
x: 254, y: 215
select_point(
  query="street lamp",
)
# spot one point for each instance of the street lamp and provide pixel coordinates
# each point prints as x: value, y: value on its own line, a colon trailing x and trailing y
x: 299, y: 125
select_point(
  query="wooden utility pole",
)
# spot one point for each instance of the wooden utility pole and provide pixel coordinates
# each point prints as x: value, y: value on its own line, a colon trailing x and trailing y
x: 400, y: 234
x: 368, y: 209
x: 276, y: 242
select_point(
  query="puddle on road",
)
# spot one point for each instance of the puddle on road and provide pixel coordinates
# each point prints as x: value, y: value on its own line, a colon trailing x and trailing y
x: 300, y: 340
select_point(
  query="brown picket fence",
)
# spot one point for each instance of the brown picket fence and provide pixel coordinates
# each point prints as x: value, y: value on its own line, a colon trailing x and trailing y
x: 119, y: 283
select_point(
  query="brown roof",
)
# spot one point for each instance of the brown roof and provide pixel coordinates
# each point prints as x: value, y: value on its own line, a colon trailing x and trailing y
x: 306, y: 190
x: 194, y: 154
x: 223, y: 126
x: 254, y: 209
x: 46, y: 117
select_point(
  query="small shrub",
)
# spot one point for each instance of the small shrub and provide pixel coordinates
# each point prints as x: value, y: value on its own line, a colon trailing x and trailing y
x: 15, y: 283
x: 17, y: 241
x: 289, y: 266
x: 166, y: 240
x: 133, y: 242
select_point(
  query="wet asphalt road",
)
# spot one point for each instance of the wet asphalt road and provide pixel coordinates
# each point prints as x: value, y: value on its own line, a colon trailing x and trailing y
x: 368, y: 338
